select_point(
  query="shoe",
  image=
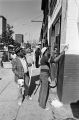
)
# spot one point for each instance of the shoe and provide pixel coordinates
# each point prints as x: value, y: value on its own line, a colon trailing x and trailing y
x: 47, y: 108
x: 19, y: 103
x: 26, y: 97
x: 30, y: 98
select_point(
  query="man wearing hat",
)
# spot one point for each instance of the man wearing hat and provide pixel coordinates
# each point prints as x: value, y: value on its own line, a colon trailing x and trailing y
x: 20, y: 69
x: 44, y: 74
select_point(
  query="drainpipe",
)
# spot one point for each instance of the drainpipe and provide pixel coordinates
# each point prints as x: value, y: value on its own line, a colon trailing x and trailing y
x: 48, y: 20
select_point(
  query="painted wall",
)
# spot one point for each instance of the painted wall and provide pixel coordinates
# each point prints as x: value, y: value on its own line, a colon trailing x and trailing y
x: 72, y: 30
x: 68, y: 77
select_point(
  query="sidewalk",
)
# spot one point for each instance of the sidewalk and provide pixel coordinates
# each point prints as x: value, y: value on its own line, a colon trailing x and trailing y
x: 29, y: 110
x: 9, y: 109
x: 8, y: 95
x: 32, y: 111
x: 59, y: 110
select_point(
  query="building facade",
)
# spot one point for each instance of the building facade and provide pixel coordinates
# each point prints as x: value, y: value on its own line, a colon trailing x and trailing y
x: 63, y: 29
x: 44, y: 29
x: 19, y: 38
x: 2, y: 28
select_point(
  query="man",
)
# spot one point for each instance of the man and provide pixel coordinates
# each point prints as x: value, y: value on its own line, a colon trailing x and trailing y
x: 45, y: 73
x: 37, y: 55
x: 20, y: 69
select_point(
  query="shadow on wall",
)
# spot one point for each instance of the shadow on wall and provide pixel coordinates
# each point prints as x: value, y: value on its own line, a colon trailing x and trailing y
x: 69, y: 119
x: 75, y: 109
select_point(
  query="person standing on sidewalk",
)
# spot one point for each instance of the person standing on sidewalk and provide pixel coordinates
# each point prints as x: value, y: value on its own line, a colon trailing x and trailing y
x: 20, y: 69
x: 37, y: 55
x: 45, y: 74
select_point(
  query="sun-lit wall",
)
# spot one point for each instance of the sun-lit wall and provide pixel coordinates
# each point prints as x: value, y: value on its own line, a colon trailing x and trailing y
x: 72, y: 28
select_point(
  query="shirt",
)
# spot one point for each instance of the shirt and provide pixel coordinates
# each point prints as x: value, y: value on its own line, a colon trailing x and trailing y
x: 45, y: 64
x: 24, y: 64
x: 44, y: 61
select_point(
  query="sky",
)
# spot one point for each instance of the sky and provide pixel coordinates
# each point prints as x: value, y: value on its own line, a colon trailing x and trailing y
x: 20, y: 13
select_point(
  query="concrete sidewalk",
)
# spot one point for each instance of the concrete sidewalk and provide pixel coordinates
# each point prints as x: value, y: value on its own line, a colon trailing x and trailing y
x: 9, y: 109
x: 8, y: 95
x: 29, y: 110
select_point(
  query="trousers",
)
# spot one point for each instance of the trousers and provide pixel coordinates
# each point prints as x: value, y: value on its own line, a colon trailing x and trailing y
x: 44, y: 89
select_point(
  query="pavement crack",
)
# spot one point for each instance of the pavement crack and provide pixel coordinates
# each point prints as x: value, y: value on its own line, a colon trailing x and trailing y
x: 5, y: 87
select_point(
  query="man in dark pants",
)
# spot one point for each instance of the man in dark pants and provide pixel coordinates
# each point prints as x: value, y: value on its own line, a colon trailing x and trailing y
x: 37, y: 55
x: 44, y: 75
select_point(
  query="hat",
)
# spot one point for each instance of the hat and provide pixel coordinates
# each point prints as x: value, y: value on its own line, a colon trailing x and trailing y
x: 17, y: 50
x: 43, y: 50
x: 37, y: 46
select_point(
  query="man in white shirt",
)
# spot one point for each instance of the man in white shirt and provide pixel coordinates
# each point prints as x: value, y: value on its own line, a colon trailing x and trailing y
x: 20, y: 69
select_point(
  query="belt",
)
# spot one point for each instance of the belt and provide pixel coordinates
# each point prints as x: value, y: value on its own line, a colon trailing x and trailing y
x: 26, y: 73
x: 45, y: 70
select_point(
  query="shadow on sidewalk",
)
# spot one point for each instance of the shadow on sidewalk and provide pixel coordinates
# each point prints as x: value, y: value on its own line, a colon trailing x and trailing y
x: 33, y: 84
x: 69, y: 119
x: 75, y: 109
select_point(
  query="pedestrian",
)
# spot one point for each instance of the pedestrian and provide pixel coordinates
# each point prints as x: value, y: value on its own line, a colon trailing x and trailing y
x: 20, y: 69
x: 45, y: 74
x: 37, y: 55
